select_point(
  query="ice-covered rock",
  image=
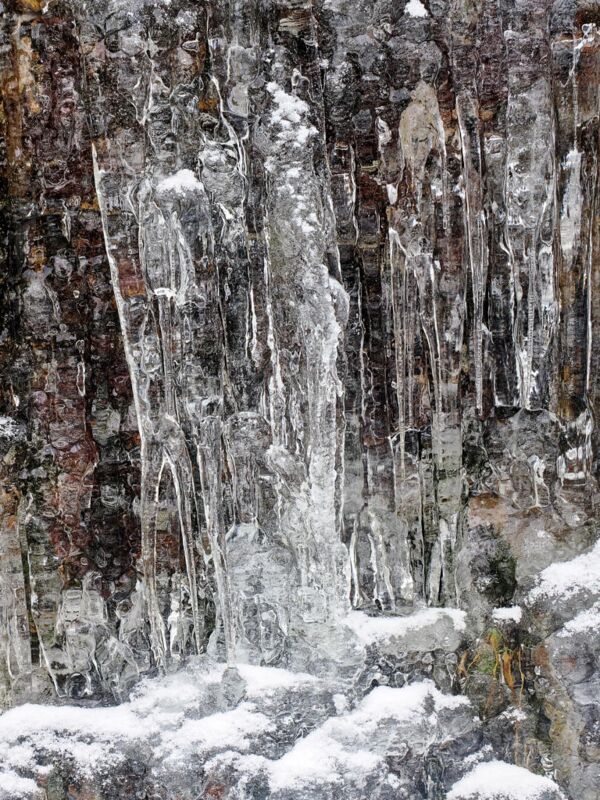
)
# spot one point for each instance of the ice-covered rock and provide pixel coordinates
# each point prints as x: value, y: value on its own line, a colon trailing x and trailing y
x: 299, y: 374
x: 286, y: 731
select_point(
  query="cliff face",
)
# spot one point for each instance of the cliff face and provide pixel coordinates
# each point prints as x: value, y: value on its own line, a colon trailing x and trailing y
x: 300, y: 307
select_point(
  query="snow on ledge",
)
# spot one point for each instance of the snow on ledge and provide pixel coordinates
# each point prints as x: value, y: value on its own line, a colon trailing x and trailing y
x: 587, y: 621
x: 265, y: 680
x: 181, y: 183
x: 13, y: 786
x: 509, y: 614
x: 564, y: 579
x: 377, y: 629
x: 164, y: 720
x: 415, y: 8
x: 162, y: 714
x: 497, y: 780
x: 220, y: 731
x: 344, y: 744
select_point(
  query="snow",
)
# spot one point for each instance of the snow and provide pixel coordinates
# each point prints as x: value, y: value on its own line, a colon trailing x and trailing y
x: 174, y: 691
x: 290, y: 109
x: 180, y: 717
x: 514, y: 714
x: 221, y: 731
x: 415, y: 8
x: 101, y: 723
x: 289, y: 113
x: 8, y: 427
x: 565, y: 579
x: 61, y: 730
x: 509, y: 614
x: 344, y: 744
x: 407, y: 702
x: 497, y: 780
x: 340, y: 702
x: 12, y: 786
x: 376, y: 629
x: 585, y: 622
x: 181, y: 183
x: 319, y: 759
x: 157, y: 716
x: 266, y: 680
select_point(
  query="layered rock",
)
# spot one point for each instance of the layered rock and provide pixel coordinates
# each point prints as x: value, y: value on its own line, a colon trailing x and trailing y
x: 300, y: 306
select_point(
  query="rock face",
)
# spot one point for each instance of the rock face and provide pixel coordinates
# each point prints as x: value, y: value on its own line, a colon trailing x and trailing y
x: 300, y: 312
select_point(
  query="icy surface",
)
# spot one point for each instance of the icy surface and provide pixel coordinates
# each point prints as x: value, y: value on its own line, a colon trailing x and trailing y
x: 237, y: 723
x: 299, y: 397
x: 170, y: 721
x: 158, y: 716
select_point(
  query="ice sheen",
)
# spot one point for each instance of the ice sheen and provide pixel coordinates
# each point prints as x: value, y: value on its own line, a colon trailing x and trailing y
x: 182, y: 223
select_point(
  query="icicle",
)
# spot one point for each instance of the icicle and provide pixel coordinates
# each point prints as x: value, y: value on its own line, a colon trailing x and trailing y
x: 530, y: 210
x: 166, y: 260
x: 15, y: 647
x: 208, y: 454
x: 475, y: 225
x: 398, y: 292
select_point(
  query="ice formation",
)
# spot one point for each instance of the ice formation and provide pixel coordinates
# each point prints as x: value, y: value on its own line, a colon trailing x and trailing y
x: 299, y: 382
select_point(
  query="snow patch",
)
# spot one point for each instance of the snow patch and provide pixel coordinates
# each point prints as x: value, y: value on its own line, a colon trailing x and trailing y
x: 265, y: 680
x: 65, y: 731
x: 8, y: 427
x: 222, y: 731
x: 565, y: 579
x: 377, y: 629
x: 497, y: 780
x: 344, y: 744
x: 509, y: 614
x: 289, y: 113
x: 13, y: 787
x: 585, y: 622
x: 415, y: 8
x: 514, y: 714
x: 181, y: 183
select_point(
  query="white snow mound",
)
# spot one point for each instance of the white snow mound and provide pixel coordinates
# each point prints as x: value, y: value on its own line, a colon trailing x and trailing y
x: 497, y: 780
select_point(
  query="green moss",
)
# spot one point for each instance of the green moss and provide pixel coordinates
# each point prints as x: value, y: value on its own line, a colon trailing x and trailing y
x: 486, y: 664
